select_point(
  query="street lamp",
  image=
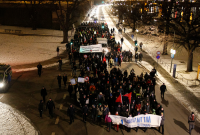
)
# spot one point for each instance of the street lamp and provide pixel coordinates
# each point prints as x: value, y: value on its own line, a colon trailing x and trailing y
x: 136, y: 33
x: 173, y: 52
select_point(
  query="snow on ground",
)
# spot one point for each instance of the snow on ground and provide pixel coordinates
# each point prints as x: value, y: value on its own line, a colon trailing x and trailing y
x: 14, y: 123
x: 27, y: 48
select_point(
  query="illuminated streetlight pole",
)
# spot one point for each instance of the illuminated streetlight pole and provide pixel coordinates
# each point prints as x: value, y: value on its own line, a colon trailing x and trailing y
x: 173, y: 52
x: 136, y: 33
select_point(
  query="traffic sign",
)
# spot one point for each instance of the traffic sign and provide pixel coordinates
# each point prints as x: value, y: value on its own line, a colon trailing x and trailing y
x: 172, y: 56
x: 132, y: 36
x: 158, y: 52
x: 157, y: 57
x: 86, y: 79
x: 85, y: 56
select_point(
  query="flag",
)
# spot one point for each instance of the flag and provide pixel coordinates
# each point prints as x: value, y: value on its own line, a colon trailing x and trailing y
x: 129, y: 96
x: 84, y: 39
x: 119, y: 99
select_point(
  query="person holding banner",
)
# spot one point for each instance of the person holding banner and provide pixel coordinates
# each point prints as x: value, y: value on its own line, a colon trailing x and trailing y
x: 116, y: 124
x: 108, y: 121
x: 162, y: 123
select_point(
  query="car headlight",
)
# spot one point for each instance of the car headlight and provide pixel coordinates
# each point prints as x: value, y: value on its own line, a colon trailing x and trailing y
x: 1, y: 85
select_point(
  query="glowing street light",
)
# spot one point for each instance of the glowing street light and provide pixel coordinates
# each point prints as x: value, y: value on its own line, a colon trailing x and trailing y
x: 173, y: 52
x: 136, y: 33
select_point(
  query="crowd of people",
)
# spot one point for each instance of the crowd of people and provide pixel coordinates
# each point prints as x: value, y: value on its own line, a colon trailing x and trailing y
x: 98, y: 95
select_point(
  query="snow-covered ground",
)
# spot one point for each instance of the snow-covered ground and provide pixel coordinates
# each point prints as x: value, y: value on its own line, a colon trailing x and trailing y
x: 30, y: 47
x: 14, y: 123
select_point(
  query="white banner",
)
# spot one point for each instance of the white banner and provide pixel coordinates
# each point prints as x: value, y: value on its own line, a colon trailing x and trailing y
x: 91, y: 48
x: 142, y: 120
x: 102, y: 40
x: 81, y: 80
x: 73, y: 81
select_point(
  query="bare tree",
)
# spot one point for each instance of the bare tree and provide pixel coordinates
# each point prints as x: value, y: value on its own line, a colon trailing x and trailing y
x: 66, y: 11
x: 167, y: 11
x: 187, y: 28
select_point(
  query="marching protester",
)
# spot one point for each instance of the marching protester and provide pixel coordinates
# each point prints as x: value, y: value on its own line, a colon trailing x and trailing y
x: 43, y: 93
x: 162, y: 123
x: 50, y: 105
x: 71, y: 112
x: 39, y: 67
x: 108, y: 121
x: 191, y: 121
x: 65, y: 79
x: 60, y: 64
x: 40, y: 108
x: 162, y: 89
x: 59, y: 78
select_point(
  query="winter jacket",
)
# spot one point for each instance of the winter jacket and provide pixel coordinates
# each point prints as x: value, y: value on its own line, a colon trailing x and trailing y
x: 100, y: 111
x: 50, y: 105
x: 190, y: 121
x: 105, y: 110
x: 71, y: 111
x: 85, y: 109
x: 111, y: 61
x: 107, y: 119
x: 162, y: 120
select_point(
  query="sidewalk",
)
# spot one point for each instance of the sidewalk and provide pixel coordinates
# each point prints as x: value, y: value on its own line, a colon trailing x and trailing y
x: 187, y: 96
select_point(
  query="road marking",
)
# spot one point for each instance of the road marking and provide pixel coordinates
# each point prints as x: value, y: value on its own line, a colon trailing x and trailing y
x: 61, y: 106
x: 65, y: 95
x: 57, y: 120
x: 53, y: 133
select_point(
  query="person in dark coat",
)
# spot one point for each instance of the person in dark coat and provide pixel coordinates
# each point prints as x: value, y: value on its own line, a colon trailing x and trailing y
x: 85, y: 112
x: 60, y: 64
x: 39, y: 66
x: 136, y: 57
x: 50, y: 105
x: 65, y: 79
x: 57, y: 50
x: 71, y: 112
x: 59, y: 78
x: 43, y: 93
x: 40, y: 108
x: 70, y: 89
x: 94, y: 113
x: 140, y: 57
x: 162, y: 89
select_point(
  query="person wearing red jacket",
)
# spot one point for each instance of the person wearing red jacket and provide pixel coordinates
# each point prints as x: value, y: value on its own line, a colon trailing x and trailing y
x: 104, y: 59
x: 138, y: 106
x: 108, y: 121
